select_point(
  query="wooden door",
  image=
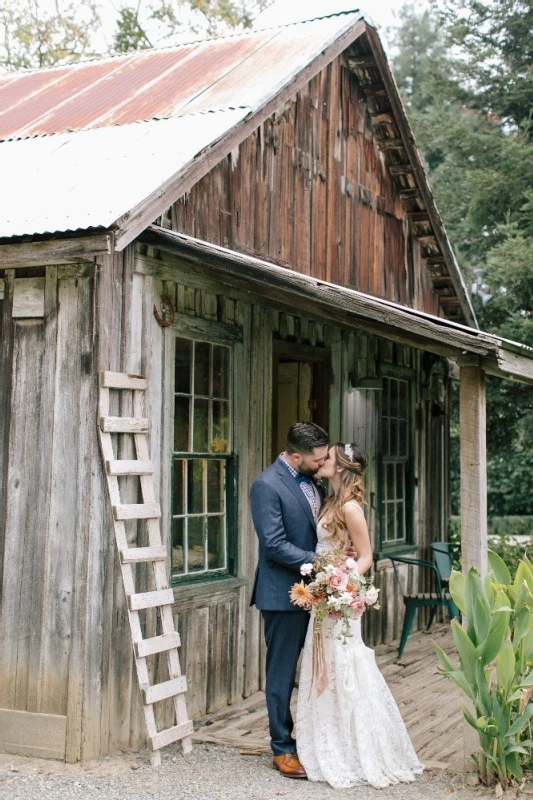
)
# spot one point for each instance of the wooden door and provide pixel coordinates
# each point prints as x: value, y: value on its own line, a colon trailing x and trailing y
x: 300, y: 389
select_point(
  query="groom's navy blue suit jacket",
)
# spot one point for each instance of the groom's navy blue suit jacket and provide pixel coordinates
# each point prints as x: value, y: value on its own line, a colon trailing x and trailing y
x: 287, y: 536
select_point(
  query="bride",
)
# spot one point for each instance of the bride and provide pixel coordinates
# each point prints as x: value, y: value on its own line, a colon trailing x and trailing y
x: 349, y: 729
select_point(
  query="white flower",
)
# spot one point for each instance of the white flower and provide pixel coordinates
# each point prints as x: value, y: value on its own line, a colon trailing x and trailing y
x: 320, y: 578
x: 306, y: 569
x: 371, y: 595
x: 345, y: 598
x: 351, y: 564
x: 329, y: 569
x: 334, y: 603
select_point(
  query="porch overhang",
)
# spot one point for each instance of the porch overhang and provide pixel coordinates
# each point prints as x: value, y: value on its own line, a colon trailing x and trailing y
x: 350, y: 308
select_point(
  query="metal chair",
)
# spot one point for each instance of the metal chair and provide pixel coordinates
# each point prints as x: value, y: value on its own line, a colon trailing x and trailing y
x: 440, y: 598
x: 443, y: 558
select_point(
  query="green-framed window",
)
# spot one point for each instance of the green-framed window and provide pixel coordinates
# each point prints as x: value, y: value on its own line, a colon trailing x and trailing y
x: 396, y: 467
x: 203, y: 462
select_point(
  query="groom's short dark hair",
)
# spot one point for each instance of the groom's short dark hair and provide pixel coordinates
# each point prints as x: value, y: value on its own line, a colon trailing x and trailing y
x: 303, y: 437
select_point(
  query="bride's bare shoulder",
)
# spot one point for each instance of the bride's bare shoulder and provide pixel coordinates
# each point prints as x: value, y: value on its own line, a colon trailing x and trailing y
x: 353, y: 504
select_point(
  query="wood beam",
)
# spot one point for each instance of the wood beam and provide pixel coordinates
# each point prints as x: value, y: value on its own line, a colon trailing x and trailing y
x: 394, y: 143
x: 400, y: 169
x: 473, y: 443
x: 54, y: 251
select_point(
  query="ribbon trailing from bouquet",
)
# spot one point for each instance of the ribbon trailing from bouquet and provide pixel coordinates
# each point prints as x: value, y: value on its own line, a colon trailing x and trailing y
x: 320, y: 672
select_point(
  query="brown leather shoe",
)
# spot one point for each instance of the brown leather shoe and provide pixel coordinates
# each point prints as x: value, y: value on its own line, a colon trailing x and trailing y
x: 289, y: 766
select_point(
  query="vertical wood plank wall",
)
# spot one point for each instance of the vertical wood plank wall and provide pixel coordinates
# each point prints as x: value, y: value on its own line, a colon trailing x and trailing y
x: 315, y: 160
x: 65, y: 642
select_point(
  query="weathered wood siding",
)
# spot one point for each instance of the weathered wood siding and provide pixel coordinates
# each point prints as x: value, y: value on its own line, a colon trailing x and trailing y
x: 65, y: 642
x: 309, y: 189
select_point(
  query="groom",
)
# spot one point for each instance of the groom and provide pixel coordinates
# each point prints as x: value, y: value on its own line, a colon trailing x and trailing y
x: 285, y: 504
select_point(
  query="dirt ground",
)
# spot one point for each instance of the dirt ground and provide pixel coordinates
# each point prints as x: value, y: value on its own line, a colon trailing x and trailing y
x: 209, y: 771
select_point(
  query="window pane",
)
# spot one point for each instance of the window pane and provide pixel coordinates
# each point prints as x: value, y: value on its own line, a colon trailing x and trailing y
x: 215, y: 543
x: 196, y: 551
x: 220, y: 443
x: 390, y: 532
x: 181, y: 423
x: 403, y: 445
x: 178, y: 498
x: 389, y: 470
x: 400, y: 517
x: 178, y: 533
x: 183, y: 366
x: 385, y: 437
x: 393, y: 402
x: 201, y: 425
x: 195, y: 486
x: 404, y: 410
x: 220, y: 371
x: 201, y: 368
x: 400, y: 481
x: 393, y: 433
x: 215, y: 486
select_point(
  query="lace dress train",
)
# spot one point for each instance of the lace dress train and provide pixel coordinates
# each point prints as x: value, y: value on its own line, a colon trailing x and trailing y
x: 352, y: 733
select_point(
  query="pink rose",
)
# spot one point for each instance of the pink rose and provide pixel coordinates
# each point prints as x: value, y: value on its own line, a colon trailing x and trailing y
x: 358, y: 606
x: 337, y: 581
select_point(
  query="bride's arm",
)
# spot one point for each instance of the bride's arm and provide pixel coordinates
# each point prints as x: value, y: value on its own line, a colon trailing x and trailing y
x: 358, y: 531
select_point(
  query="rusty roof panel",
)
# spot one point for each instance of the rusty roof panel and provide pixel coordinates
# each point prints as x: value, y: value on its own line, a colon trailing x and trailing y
x: 228, y: 72
x: 206, y: 65
x: 103, y: 162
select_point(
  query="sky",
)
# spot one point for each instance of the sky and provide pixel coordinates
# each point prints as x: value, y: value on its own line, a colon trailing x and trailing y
x: 381, y: 12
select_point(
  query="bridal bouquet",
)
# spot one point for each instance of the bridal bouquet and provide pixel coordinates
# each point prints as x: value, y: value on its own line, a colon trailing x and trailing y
x: 335, y: 590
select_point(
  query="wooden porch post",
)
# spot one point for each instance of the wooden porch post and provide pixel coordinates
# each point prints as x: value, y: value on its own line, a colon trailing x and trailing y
x: 472, y: 406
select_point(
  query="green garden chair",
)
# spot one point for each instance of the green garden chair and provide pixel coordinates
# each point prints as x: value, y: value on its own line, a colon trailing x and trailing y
x: 436, y: 598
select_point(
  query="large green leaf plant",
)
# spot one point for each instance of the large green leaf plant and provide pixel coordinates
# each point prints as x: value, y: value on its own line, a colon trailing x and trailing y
x: 496, y: 665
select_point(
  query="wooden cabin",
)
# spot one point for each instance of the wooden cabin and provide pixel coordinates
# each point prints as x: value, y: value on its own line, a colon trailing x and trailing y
x: 246, y: 222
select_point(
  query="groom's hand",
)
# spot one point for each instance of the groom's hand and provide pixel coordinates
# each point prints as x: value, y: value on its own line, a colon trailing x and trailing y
x: 351, y: 551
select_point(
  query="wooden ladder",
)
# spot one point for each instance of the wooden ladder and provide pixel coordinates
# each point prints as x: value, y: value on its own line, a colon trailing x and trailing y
x: 155, y: 554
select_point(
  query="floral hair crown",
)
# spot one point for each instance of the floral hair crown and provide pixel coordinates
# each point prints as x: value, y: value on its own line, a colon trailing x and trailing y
x: 348, y: 451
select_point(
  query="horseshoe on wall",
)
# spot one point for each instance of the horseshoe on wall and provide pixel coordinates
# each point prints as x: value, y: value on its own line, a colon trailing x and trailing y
x: 166, y: 318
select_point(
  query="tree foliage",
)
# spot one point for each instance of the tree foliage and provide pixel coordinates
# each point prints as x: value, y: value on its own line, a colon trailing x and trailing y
x: 32, y: 35
x: 464, y: 69
x: 147, y: 25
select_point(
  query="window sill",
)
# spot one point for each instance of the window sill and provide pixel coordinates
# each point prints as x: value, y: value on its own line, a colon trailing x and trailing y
x: 208, y: 587
x: 382, y: 558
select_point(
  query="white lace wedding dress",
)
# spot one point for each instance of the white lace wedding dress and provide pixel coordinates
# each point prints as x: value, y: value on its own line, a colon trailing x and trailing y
x: 352, y: 733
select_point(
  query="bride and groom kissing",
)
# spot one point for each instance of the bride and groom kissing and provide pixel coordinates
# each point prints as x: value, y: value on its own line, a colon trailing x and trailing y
x: 349, y: 729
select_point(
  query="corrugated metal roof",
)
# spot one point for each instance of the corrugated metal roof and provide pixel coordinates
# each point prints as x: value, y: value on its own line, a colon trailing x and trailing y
x: 123, y: 126
x: 92, y: 178
x: 208, y: 75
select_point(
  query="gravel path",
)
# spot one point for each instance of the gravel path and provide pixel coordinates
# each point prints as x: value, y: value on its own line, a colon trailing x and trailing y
x: 213, y: 772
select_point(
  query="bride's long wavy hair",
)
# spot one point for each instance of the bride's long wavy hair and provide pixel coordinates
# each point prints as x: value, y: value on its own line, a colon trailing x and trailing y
x: 352, y: 461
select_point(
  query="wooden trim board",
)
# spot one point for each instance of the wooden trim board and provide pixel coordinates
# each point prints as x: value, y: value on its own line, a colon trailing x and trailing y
x: 348, y: 307
x: 54, y: 251
x: 30, y: 734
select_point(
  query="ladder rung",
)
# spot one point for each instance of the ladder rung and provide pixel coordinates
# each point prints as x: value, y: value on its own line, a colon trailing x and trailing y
x: 119, y: 380
x: 138, y: 555
x: 163, y: 597
x: 157, y: 644
x: 153, y: 694
x: 163, y: 738
x: 137, y: 511
x: 123, y: 425
x: 124, y: 467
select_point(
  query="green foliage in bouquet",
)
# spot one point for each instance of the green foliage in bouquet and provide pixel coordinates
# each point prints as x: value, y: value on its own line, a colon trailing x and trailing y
x: 495, y: 673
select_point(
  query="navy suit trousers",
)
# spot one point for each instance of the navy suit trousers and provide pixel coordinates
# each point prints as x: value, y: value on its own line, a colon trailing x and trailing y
x: 285, y: 636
